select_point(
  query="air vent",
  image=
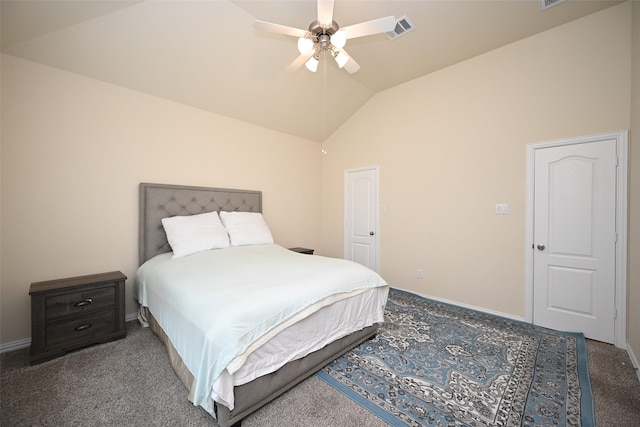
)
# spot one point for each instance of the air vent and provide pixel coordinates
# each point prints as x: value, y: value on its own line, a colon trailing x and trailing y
x: 546, y: 4
x: 403, y: 26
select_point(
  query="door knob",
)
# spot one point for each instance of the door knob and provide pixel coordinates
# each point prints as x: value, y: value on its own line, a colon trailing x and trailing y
x: 540, y: 247
x: 371, y: 233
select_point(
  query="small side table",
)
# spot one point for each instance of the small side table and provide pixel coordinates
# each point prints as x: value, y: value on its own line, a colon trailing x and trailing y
x: 67, y: 314
x: 302, y: 250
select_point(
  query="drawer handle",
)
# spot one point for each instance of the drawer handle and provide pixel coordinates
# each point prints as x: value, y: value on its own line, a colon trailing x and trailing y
x: 83, y: 327
x: 83, y: 302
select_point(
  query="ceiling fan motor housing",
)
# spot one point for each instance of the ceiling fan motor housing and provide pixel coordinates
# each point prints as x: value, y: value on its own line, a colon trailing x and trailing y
x: 322, y: 34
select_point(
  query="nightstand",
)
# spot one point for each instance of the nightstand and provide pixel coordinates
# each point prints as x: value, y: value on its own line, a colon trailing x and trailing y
x: 67, y: 314
x: 302, y: 250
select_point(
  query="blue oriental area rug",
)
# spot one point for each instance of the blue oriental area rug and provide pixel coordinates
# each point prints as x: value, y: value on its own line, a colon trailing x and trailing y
x: 435, y: 364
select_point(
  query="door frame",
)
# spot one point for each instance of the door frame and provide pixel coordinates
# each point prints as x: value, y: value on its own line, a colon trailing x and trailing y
x: 377, y: 211
x: 621, y: 138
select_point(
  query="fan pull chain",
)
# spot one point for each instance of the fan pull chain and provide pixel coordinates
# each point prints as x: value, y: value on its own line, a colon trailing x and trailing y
x: 324, y: 101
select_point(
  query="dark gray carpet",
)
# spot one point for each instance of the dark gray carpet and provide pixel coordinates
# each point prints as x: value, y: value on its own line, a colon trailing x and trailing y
x: 130, y: 382
x: 615, y: 385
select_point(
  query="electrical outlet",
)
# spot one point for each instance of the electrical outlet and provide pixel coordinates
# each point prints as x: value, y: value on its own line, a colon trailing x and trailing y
x: 502, y: 209
x: 420, y: 273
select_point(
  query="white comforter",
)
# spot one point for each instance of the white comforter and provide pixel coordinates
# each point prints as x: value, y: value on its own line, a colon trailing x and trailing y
x: 220, y: 305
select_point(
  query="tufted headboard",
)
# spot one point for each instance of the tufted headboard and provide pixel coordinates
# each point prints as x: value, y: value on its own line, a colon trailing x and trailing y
x: 159, y: 201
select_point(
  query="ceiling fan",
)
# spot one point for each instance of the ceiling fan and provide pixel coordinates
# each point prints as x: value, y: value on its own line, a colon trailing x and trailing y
x: 325, y: 35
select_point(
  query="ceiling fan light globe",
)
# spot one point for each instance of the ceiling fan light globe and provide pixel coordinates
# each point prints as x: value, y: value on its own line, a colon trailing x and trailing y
x: 341, y: 59
x: 339, y: 39
x: 305, y: 45
x: 312, y: 64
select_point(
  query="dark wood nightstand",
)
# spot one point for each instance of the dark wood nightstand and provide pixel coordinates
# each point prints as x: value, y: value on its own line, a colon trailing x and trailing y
x: 67, y: 314
x: 302, y: 250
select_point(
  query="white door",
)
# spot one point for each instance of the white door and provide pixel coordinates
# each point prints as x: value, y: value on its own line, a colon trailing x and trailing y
x: 361, y: 219
x: 574, y: 238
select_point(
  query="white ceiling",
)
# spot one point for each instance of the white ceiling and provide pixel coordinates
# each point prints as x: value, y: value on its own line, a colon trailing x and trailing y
x: 206, y: 53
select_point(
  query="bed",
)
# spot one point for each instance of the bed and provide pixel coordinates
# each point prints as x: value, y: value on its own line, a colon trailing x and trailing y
x: 231, y: 374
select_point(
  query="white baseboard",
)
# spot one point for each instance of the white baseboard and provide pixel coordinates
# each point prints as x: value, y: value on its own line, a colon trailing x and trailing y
x: 15, y: 345
x: 634, y: 360
x: 26, y: 342
x: 471, y: 307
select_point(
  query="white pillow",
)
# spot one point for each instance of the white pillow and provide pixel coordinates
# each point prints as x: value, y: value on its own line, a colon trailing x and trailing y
x: 195, y: 233
x: 246, y: 228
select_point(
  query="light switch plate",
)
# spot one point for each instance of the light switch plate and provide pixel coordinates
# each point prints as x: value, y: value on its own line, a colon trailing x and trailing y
x: 502, y: 209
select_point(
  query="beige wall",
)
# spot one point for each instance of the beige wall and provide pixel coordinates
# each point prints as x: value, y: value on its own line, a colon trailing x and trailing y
x: 74, y: 151
x: 452, y: 144
x: 633, y: 297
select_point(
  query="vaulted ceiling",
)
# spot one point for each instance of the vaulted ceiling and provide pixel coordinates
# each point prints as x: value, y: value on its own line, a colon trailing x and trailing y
x: 207, y: 54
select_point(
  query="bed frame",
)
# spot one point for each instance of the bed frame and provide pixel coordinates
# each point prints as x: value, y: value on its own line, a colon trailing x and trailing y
x: 158, y: 201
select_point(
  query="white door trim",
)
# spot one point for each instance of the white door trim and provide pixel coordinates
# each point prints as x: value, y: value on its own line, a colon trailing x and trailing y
x: 621, y: 138
x: 377, y: 220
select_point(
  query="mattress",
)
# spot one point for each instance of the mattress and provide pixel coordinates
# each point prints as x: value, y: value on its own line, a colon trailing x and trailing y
x: 238, y: 313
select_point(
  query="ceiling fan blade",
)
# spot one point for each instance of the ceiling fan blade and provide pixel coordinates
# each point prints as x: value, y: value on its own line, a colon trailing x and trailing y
x: 351, y: 66
x: 325, y: 12
x: 299, y: 61
x: 380, y: 25
x: 279, y: 29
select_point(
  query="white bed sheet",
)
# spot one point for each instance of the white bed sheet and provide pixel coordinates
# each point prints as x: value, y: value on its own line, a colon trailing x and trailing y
x: 312, y: 333
x: 191, y: 299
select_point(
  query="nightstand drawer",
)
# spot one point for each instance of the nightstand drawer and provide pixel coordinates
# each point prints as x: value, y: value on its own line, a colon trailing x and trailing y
x: 80, y: 302
x: 80, y: 328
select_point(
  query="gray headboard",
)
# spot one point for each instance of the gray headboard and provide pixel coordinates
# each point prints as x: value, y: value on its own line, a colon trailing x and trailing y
x: 159, y: 201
